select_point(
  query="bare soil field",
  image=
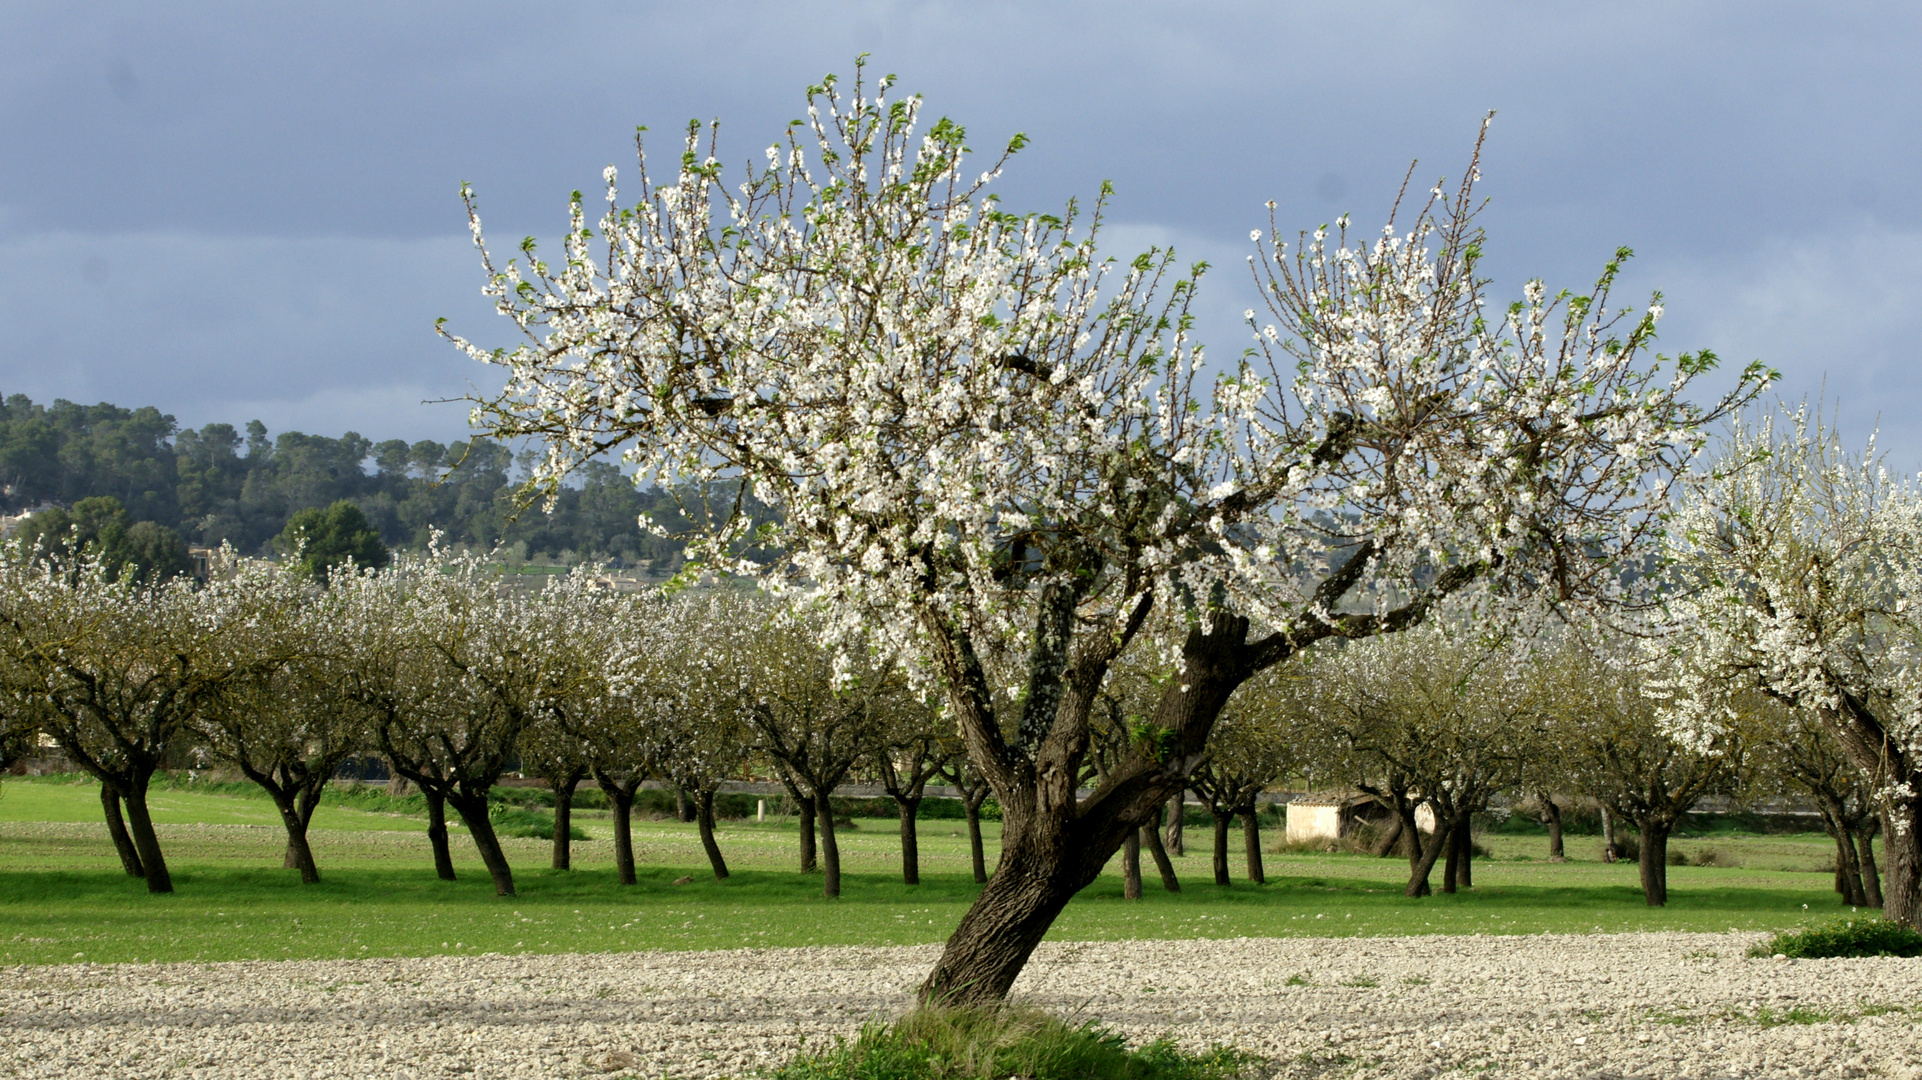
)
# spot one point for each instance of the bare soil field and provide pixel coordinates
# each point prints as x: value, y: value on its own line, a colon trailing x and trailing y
x: 1627, y: 1005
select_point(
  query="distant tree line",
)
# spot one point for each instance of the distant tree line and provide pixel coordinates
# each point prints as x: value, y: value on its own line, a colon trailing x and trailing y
x: 172, y: 487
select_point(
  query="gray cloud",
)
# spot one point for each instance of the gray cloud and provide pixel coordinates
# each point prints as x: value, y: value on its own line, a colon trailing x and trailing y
x: 252, y: 207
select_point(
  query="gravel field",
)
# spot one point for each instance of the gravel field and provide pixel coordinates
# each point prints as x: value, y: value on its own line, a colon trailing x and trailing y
x: 1636, y: 1005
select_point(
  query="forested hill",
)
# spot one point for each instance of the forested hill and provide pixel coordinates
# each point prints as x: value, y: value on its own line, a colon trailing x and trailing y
x: 218, y: 483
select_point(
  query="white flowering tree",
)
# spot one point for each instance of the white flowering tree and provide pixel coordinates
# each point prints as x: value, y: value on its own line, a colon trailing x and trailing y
x: 995, y: 450
x: 451, y: 664
x: 814, y: 725
x: 1802, y: 567
x: 116, y: 671
x: 1606, y: 727
x: 1436, y: 717
x: 283, y: 721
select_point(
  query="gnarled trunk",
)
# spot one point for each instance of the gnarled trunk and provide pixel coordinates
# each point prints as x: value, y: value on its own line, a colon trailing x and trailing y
x: 704, y: 815
x: 1043, y: 865
x: 1421, y: 860
x: 1251, y: 844
x: 299, y: 855
x: 908, y: 807
x: 1177, y: 810
x: 1902, y: 859
x: 1151, y: 835
x: 1385, y: 846
x: 437, y: 834
x: 1552, y: 818
x: 1654, y: 860
x: 830, y: 850
x: 623, y: 806
x: 117, y: 829
x: 471, y: 804
x: 140, y: 827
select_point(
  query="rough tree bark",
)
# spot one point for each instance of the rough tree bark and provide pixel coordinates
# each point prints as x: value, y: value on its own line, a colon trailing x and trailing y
x: 1552, y: 818
x: 1251, y: 843
x: 1653, y: 860
x: 563, y: 787
x: 469, y: 800
x: 1390, y: 839
x: 1871, y: 880
x: 620, y: 793
x: 830, y: 849
x: 1177, y: 810
x: 1131, y: 867
x: 1222, y: 818
x: 1151, y: 835
x: 140, y: 827
x: 907, y: 808
x: 437, y: 834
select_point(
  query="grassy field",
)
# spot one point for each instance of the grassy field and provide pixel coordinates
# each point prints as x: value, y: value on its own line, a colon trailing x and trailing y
x: 64, y: 898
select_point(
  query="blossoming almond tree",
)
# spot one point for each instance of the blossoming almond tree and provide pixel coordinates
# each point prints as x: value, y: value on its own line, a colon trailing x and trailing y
x: 283, y: 721
x: 117, y: 671
x: 1804, y: 571
x: 998, y: 452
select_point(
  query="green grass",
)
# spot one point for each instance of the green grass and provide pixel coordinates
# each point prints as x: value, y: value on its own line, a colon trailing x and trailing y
x: 62, y: 893
x: 985, y: 1044
x: 1844, y: 937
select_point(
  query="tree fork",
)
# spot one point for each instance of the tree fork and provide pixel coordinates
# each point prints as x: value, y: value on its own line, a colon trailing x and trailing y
x: 472, y: 808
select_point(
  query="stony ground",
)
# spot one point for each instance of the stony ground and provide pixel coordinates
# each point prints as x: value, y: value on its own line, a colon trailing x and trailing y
x: 1641, y: 1005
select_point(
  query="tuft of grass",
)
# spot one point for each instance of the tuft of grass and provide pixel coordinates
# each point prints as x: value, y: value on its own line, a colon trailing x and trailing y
x: 1843, y: 938
x: 994, y: 1042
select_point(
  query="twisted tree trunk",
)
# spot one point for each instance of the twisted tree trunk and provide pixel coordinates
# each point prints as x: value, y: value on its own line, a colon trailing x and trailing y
x: 1552, y: 818
x: 117, y: 829
x: 704, y: 815
x: 469, y: 800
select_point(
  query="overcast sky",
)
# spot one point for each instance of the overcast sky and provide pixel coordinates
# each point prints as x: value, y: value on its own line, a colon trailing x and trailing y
x: 248, y: 210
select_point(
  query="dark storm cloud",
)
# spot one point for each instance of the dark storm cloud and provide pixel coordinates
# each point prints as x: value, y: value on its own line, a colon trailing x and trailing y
x: 235, y: 210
